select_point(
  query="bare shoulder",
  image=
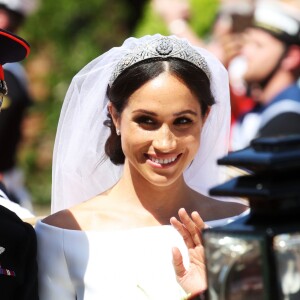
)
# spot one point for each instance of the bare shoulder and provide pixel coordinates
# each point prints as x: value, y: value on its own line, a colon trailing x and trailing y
x: 237, y: 208
x: 94, y: 214
x: 228, y: 208
x: 71, y: 218
x: 213, y: 209
x: 63, y: 219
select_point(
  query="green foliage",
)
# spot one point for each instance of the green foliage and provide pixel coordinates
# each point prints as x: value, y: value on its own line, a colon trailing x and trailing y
x: 151, y: 23
x: 76, y: 32
x: 202, y: 17
x: 68, y: 34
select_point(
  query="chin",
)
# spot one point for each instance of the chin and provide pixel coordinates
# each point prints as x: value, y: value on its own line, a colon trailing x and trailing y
x: 251, y: 79
x: 248, y: 79
x: 161, y: 181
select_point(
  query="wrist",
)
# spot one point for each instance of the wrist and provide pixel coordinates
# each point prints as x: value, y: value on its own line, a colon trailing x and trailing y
x: 201, y: 296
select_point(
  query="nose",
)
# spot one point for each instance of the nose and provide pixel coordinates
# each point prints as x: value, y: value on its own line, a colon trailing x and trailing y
x: 164, y: 139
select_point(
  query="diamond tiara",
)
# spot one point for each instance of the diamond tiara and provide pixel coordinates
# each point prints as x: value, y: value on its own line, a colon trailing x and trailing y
x: 161, y: 47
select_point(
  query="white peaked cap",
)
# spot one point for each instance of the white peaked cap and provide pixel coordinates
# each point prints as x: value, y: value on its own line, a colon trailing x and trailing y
x: 24, y: 7
x: 279, y: 18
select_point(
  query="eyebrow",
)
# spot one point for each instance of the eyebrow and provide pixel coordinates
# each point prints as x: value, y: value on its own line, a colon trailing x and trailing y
x: 187, y: 111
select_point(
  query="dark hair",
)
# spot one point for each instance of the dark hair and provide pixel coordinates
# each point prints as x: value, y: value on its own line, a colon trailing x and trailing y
x: 137, y: 75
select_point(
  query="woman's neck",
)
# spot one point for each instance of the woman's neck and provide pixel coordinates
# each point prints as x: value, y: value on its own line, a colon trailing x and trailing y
x: 160, y: 201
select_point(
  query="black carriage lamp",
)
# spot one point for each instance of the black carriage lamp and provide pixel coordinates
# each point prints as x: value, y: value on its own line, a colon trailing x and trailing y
x: 258, y: 256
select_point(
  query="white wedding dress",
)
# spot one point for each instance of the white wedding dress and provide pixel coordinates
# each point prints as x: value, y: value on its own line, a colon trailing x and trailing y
x: 90, y: 265
x: 133, y: 264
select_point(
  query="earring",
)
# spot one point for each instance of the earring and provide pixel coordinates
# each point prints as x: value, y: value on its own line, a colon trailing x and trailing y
x: 118, y: 132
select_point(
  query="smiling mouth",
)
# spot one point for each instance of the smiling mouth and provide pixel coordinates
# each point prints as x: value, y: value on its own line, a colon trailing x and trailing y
x: 162, y: 161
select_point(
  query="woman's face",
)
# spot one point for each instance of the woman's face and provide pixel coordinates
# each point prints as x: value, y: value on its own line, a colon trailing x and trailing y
x: 262, y: 52
x: 160, y: 129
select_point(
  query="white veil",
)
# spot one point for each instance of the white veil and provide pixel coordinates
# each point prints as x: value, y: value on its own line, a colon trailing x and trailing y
x: 80, y: 168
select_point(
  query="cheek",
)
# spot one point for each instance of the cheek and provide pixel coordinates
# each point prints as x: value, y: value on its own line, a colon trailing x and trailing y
x: 134, y: 140
x: 255, y: 54
x: 192, y: 142
x: 266, y: 57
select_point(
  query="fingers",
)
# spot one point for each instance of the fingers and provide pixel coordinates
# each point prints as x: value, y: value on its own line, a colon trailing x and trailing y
x: 183, y: 232
x: 198, y: 220
x: 231, y: 44
x: 189, y: 224
x: 189, y: 227
x: 178, y: 263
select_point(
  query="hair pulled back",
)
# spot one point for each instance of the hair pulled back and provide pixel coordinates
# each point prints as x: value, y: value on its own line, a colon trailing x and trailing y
x: 137, y: 75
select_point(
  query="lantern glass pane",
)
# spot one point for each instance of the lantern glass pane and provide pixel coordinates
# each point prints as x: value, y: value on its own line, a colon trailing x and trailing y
x: 234, y: 267
x: 287, y: 256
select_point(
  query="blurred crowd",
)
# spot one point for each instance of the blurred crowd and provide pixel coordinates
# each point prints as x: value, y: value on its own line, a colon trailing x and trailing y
x: 258, y: 42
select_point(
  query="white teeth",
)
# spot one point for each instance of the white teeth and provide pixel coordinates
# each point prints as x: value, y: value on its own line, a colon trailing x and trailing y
x: 162, y: 161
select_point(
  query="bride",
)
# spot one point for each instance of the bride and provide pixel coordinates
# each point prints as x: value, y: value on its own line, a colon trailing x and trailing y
x: 138, y: 138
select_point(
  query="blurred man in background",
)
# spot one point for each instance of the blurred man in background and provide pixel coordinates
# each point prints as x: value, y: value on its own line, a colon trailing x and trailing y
x: 272, y: 54
x: 18, y: 246
x: 13, y: 14
x: 225, y: 39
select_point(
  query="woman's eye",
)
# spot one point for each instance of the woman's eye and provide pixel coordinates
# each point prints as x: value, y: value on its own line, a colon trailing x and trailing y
x: 182, y: 121
x: 144, y: 120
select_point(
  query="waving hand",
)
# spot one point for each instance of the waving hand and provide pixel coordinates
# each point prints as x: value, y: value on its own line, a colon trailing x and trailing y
x: 193, y: 279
